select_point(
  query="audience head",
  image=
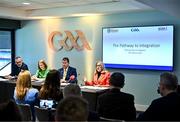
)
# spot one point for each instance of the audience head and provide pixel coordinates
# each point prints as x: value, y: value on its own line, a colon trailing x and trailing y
x: 42, y: 65
x: 99, y: 66
x: 65, y: 62
x: 22, y: 84
x: 117, y: 79
x: 51, y: 85
x: 53, y: 78
x: 18, y: 61
x: 168, y: 82
x: 9, y: 112
x: 71, y: 90
x: 178, y: 89
x: 72, y: 108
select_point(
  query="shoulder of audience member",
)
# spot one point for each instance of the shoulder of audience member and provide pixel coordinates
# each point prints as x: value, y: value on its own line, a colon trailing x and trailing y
x: 33, y: 90
x: 129, y: 95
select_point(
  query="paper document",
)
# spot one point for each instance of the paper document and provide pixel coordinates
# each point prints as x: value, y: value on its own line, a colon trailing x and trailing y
x: 94, y: 87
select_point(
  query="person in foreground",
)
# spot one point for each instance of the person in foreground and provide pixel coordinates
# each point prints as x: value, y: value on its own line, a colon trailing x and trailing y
x: 42, y: 71
x: 72, y: 108
x: 115, y: 104
x: 24, y: 93
x: 51, y: 87
x: 9, y: 111
x: 67, y: 73
x: 17, y: 68
x: 101, y: 76
x: 167, y: 107
x: 75, y: 90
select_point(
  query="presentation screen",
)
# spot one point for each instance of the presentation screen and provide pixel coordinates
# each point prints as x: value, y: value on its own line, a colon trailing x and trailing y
x: 149, y: 47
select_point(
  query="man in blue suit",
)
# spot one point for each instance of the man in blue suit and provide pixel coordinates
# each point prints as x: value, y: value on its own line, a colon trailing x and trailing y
x: 68, y: 74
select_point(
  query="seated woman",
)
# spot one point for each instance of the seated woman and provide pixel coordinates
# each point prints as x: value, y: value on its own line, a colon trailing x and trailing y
x: 42, y: 71
x: 24, y: 93
x: 101, y: 76
x: 51, y: 88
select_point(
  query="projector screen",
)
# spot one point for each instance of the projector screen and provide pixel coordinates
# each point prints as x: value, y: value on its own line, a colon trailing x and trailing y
x: 149, y: 47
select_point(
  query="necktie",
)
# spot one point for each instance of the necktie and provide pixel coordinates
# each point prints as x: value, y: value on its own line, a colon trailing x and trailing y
x: 64, y: 74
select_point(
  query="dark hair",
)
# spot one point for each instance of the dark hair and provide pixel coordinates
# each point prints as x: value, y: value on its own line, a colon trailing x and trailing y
x: 72, y: 108
x: 42, y: 61
x: 169, y: 80
x: 9, y: 111
x: 17, y: 57
x: 51, y: 87
x: 178, y: 89
x: 66, y: 59
x: 117, y: 79
x: 72, y: 89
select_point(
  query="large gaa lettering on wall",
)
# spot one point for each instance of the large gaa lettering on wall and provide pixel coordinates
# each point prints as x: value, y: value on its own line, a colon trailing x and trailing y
x: 79, y: 42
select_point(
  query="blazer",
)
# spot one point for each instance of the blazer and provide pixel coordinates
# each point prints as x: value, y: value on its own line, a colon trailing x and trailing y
x: 166, y: 108
x: 71, y: 71
x: 16, y: 70
x: 115, y: 104
x: 103, y: 79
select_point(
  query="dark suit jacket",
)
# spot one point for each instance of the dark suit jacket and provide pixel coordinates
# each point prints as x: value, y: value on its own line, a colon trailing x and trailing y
x: 116, y: 105
x: 16, y: 70
x: 71, y: 71
x: 166, y: 108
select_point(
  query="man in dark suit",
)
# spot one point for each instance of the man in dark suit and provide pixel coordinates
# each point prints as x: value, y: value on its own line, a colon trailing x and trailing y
x: 17, y: 68
x: 115, y: 104
x: 67, y: 73
x: 167, y: 107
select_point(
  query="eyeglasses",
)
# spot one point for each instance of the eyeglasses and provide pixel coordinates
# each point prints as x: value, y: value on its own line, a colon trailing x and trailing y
x: 98, y: 66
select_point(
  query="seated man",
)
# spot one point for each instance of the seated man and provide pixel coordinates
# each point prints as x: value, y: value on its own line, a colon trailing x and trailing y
x: 67, y: 73
x: 167, y: 107
x: 72, y: 108
x: 115, y: 104
x: 101, y: 76
x: 17, y: 68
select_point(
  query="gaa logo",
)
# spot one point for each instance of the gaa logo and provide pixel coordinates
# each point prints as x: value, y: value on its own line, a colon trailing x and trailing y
x: 73, y: 41
x: 135, y: 30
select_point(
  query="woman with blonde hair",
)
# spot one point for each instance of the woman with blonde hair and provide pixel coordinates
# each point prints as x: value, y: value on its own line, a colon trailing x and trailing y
x: 24, y: 93
x: 101, y: 76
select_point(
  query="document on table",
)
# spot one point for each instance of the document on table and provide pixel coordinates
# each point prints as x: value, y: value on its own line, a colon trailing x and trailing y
x: 94, y: 87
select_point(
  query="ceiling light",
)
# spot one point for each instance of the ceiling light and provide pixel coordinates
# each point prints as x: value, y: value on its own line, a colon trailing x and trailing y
x: 26, y: 3
x: 85, y: 14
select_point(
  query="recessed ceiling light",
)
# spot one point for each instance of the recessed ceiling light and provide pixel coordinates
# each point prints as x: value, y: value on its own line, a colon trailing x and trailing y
x: 26, y: 3
x: 85, y: 14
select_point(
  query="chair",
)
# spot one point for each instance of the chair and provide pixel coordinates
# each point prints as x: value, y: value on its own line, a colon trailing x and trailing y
x: 111, y: 120
x: 25, y: 111
x: 44, y: 114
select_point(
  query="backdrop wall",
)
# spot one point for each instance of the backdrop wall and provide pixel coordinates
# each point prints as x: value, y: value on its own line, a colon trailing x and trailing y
x: 32, y: 45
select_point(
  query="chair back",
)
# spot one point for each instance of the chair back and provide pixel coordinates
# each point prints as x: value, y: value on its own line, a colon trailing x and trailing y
x: 25, y: 111
x: 44, y: 114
